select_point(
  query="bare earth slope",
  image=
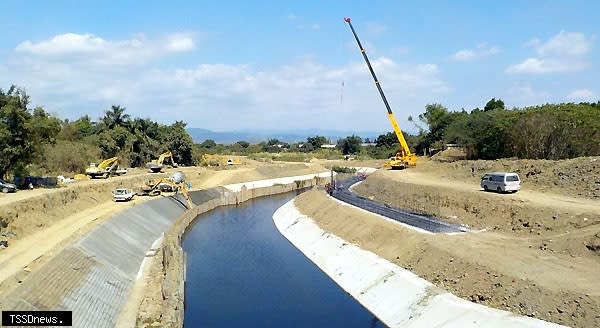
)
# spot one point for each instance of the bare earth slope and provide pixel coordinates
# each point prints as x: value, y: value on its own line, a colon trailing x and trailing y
x: 538, y: 256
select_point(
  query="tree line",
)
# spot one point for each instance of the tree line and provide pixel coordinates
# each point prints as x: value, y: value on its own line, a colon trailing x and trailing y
x: 34, y: 141
x: 549, y: 131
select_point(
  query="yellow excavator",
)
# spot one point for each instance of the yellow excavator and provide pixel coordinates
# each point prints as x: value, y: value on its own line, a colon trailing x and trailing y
x: 176, y: 184
x: 157, y: 166
x: 404, y: 158
x: 105, y: 169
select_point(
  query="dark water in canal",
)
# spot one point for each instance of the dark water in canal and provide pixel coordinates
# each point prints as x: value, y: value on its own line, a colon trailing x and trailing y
x: 241, y: 272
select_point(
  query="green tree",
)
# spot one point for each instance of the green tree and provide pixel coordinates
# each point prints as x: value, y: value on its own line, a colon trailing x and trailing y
x: 494, y: 104
x: 23, y: 132
x: 388, y: 140
x: 243, y: 144
x: 116, y: 142
x: 115, y: 116
x: 316, y: 141
x: 274, y: 145
x: 208, y: 144
x: 144, y: 145
x: 180, y: 143
x: 350, y: 145
x: 437, y: 118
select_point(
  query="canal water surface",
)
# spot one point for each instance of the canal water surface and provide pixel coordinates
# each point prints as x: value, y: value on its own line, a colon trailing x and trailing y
x: 241, y: 272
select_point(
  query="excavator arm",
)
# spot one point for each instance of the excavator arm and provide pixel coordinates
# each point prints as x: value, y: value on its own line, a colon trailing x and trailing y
x: 405, y: 157
x: 108, y: 163
x: 153, y: 188
x: 156, y: 166
x: 163, y: 156
x: 105, y: 169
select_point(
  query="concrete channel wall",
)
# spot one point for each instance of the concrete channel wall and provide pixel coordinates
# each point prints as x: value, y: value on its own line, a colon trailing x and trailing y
x: 170, y: 312
x: 396, y: 296
x: 94, y: 277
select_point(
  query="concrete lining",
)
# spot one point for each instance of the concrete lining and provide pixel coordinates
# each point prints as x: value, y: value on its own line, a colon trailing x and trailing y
x: 93, y: 277
x: 396, y: 296
x: 236, y: 187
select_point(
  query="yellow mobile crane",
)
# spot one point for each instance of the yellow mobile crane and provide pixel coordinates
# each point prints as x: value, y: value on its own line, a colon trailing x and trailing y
x: 404, y: 157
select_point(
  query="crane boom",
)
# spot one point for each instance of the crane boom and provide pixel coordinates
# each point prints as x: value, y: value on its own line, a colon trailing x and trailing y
x: 405, y: 157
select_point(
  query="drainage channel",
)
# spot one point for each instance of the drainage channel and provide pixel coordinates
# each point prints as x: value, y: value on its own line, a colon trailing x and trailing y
x: 241, y: 272
x: 424, y: 222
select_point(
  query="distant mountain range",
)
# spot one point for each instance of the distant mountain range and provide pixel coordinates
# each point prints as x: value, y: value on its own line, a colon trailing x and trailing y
x: 229, y: 137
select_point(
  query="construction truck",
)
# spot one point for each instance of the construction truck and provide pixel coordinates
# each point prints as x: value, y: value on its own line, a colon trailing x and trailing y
x: 105, y: 169
x: 176, y: 183
x: 157, y: 165
x: 404, y: 158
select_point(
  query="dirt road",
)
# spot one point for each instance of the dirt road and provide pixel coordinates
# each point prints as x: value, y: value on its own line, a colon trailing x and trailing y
x: 527, y: 194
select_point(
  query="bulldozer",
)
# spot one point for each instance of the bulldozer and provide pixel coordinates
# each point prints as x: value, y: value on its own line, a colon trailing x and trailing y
x: 176, y: 183
x: 105, y: 169
x: 157, y: 165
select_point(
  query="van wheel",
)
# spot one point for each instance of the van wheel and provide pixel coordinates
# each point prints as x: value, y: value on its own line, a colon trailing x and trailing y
x: 499, y: 190
x: 485, y: 188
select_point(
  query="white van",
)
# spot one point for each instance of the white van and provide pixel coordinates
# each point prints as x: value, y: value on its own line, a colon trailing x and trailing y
x: 501, y: 182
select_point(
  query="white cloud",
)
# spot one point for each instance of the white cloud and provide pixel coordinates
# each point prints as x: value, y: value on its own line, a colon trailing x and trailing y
x: 583, y: 95
x: 313, y: 26
x: 375, y: 28
x: 565, y: 44
x: 302, y: 24
x: 400, y: 50
x: 522, y: 94
x: 485, y: 51
x: 564, y: 52
x: 464, y: 55
x: 288, y: 96
x: 180, y: 43
x: 482, y: 50
x: 90, y: 48
x: 545, y: 65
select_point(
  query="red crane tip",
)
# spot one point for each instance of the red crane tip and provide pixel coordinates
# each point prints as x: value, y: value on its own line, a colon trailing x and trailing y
x: 347, y: 19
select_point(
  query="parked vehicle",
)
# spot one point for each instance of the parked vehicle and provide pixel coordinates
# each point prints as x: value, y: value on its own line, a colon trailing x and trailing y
x: 7, y: 187
x: 123, y: 194
x: 501, y: 182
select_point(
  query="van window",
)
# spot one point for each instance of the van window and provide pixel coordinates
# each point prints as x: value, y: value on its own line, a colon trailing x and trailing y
x: 511, y: 178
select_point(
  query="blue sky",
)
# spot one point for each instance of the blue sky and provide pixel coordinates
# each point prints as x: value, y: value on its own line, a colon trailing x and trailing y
x: 266, y: 65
